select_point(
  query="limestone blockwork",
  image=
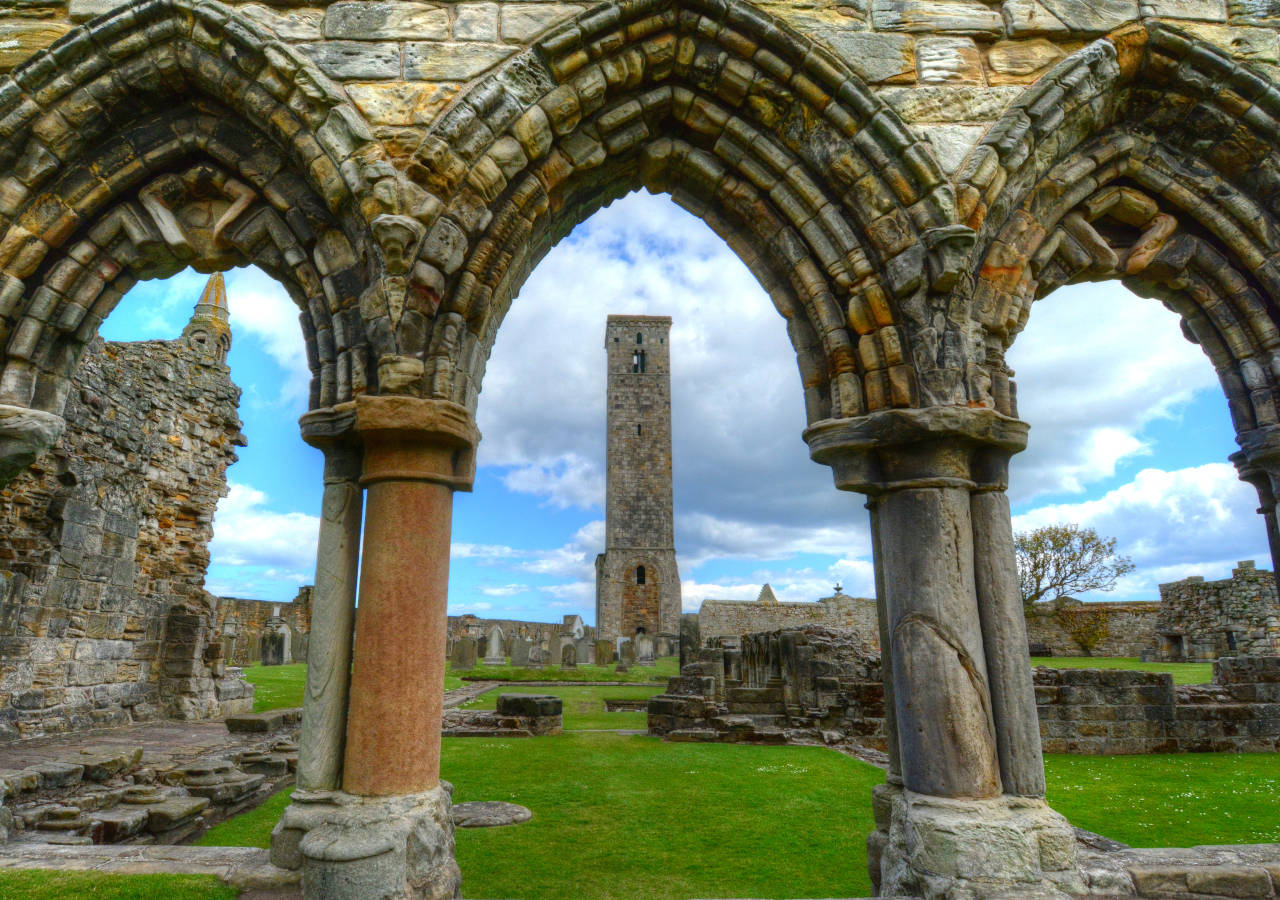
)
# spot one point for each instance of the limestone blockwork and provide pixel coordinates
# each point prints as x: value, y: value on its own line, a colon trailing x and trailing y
x: 904, y: 178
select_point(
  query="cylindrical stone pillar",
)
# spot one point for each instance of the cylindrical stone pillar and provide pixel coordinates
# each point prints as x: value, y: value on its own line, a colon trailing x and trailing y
x: 333, y: 612
x: 1004, y: 639
x: 416, y: 453
x: 946, y: 736
x: 886, y: 667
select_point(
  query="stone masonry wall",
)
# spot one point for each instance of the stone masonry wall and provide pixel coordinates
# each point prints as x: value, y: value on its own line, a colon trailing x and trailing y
x: 734, y: 618
x: 1202, y: 620
x: 1130, y: 629
x: 241, y: 624
x: 103, y: 548
x: 948, y: 67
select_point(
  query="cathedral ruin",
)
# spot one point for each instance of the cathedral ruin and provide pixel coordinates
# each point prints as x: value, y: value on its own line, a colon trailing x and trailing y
x: 904, y: 178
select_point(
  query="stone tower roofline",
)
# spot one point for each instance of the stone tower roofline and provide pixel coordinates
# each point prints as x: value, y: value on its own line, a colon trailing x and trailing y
x: 209, y: 328
x: 639, y: 320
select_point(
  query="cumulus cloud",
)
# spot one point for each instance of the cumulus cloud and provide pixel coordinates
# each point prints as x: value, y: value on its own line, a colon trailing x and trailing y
x: 1193, y: 521
x: 247, y: 533
x: 260, y: 308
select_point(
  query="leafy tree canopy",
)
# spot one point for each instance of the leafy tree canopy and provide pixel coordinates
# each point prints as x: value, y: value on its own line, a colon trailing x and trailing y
x: 1060, y: 560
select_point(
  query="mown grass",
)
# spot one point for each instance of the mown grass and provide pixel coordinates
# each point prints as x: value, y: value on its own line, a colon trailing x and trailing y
x: 631, y: 817
x: 1170, y: 800
x: 1183, y: 673
x: 583, y: 705
x: 39, y: 884
x: 250, y: 829
x: 667, y: 667
x: 282, y: 687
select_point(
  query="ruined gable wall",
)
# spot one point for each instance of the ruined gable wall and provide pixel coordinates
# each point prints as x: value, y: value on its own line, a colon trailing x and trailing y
x: 240, y: 623
x: 1131, y: 629
x: 734, y: 618
x: 948, y: 68
x: 1203, y: 612
x: 104, y: 546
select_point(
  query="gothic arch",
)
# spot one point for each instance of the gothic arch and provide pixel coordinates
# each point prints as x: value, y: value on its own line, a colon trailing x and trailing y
x: 837, y: 208
x: 1153, y: 158
x: 173, y: 133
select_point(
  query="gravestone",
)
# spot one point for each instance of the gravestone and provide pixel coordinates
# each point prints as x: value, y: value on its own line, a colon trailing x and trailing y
x: 493, y: 656
x: 690, y: 640
x: 585, y: 651
x: 604, y: 653
x: 626, y: 654
x: 568, y: 657
x: 554, y: 649
x: 464, y: 654
x: 482, y: 644
x: 644, y: 650
x: 520, y: 652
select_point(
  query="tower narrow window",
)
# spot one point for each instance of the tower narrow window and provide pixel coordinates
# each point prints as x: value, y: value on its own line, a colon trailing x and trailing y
x: 637, y: 361
x: 639, y: 338
x: 639, y: 574
x: 639, y: 429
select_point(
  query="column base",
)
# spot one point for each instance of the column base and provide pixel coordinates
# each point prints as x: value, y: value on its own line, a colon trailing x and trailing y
x: 1005, y: 847
x: 369, y: 848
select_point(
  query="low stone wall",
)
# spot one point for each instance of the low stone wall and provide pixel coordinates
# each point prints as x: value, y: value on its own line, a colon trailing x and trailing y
x: 516, y: 715
x: 1100, y: 711
x: 1127, y: 629
x: 734, y: 618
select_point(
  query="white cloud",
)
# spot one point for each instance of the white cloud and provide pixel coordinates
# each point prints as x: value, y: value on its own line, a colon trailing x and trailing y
x: 261, y: 308
x: 246, y: 533
x: 1193, y: 521
x: 505, y: 590
x: 567, y: 481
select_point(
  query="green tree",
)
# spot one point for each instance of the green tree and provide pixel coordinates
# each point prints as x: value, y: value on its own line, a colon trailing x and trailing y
x: 1060, y: 560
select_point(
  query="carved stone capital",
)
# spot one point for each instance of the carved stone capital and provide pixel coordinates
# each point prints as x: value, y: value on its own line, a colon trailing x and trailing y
x: 333, y: 430
x: 897, y: 449
x: 410, y: 439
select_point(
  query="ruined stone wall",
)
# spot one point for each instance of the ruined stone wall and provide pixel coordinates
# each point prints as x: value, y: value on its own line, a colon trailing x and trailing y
x: 734, y: 618
x: 242, y: 623
x: 103, y: 548
x: 1203, y: 620
x: 1130, y: 629
x: 1099, y: 711
x: 540, y: 633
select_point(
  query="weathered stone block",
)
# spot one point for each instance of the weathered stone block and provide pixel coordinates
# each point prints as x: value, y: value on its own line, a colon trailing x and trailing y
x: 451, y: 61
x: 356, y: 60
x: 386, y: 20
x: 273, y: 720
x: 529, y: 705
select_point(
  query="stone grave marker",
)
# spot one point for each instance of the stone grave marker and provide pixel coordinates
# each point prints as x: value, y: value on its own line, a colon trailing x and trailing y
x: 568, y: 656
x: 585, y: 651
x: 626, y: 654
x: 644, y: 650
x: 520, y: 652
x: 493, y: 656
x: 604, y: 653
x: 464, y: 654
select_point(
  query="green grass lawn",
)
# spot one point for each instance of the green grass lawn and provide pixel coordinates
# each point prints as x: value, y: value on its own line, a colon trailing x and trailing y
x: 583, y: 705
x: 1173, y: 800
x: 251, y: 829
x: 37, y: 884
x: 1183, y: 673
x: 667, y: 667
x: 282, y: 687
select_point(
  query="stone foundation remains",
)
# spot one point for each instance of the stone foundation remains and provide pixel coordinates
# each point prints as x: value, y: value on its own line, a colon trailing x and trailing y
x: 1203, y: 620
x: 517, y: 715
x: 104, y: 619
x: 819, y: 684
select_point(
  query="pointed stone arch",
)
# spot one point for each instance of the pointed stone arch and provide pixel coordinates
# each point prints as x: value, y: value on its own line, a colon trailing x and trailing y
x: 1153, y: 158
x: 838, y: 209
x: 172, y: 133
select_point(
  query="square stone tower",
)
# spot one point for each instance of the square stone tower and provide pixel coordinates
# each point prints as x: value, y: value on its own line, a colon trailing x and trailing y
x: 637, y: 582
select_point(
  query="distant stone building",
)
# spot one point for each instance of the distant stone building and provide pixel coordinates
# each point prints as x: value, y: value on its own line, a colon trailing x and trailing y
x: 1202, y: 620
x: 248, y: 627
x: 730, y: 619
x: 637, y: 581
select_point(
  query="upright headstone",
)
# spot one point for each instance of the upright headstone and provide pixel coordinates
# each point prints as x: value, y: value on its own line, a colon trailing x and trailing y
x: 464, y: 654
x: 690, y: 640
x: 644, y: 650
x: 520, y: 652
x: 626, y: 654
x: 493, y: 656
x: 604, y: 653
x: 554, y: 649
x: 568, y: 657
x: 584, y: 652
x: 482, y: 645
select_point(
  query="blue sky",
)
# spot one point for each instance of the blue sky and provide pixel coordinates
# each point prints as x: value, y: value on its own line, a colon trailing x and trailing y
x: 1130, y: 433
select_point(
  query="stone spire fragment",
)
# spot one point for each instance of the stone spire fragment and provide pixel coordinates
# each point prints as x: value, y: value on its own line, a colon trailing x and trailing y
x: 767, y: 596
x: 209, y: 331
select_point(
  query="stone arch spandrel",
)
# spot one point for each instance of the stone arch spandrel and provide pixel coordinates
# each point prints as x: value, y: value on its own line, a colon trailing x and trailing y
x: 113, y: 134
x: 1150, y: 157
x: 839, y: 209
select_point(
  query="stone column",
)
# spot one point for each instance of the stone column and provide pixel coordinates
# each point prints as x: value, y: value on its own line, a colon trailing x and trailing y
x: 968, y: 819
x: 333, y: 609
x: 388, y: 832
x: 1263, y: 472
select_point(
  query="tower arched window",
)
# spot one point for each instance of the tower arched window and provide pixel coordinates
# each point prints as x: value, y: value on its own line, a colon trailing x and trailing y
x: 639, y: 574
x: 639, y: 338
x: 637, y: 361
